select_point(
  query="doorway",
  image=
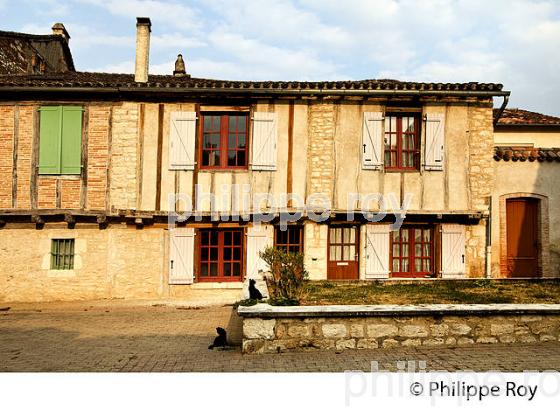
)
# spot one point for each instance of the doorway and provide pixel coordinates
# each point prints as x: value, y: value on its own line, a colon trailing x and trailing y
x: 522, y: 241
x: 343, y: 253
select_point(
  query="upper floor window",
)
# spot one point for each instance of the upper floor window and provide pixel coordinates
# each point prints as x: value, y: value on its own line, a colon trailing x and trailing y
x: 224, y: 140
x: 60, y: 140
x: 402, y: 141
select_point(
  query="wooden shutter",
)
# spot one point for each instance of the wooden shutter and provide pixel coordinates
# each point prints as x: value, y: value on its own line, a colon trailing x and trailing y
x: 435, y: 137
x: 452, y: 250
x: 258, y: 238
x: 49, y: 140
x: 71, y: 140
x: 182, y: 135
x: 372, y: 140
x: 181, y: 252
x: 377, y: 251
x: 264, y: 141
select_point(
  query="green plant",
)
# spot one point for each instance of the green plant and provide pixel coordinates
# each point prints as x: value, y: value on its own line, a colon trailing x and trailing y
x: 286, y: 276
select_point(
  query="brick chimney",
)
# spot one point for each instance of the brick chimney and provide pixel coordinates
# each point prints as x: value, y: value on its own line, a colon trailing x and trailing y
x: 58, y: 29
x: 143, y: 29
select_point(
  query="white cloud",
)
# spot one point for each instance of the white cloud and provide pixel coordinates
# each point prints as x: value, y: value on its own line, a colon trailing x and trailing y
x: 162, y: 13
x: 509, y: 41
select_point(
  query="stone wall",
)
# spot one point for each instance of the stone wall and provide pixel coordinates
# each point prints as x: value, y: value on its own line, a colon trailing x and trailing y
x: 124, y: 150
x: 320, y: 152
x: 272, y: 335
x: 481, y: 183
x: 118, y: 262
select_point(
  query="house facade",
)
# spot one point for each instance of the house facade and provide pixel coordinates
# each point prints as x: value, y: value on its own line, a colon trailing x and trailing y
x: 149, y: 186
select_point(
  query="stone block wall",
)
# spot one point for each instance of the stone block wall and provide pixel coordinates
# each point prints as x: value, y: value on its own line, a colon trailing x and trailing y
x: 117, y: 262
x: 124, y: 152
x: 481, y: 182
x: 262, y: 335
x: 320, y: 153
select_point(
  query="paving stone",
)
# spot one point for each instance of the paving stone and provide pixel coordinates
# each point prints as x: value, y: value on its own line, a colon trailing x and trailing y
x: 156, y: 339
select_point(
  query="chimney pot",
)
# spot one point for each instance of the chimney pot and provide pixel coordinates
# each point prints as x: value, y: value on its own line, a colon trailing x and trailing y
x: 58, y: 29
x: 179, y: 67
x: 143, y: 30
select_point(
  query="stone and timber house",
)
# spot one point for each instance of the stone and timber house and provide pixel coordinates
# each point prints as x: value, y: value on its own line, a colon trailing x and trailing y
x: 97, y: 169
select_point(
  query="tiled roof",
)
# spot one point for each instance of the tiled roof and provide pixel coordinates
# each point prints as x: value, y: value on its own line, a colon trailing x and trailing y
x: 526, y: 154
x: 126, y: 81
x: 516, y: 116
x: 16, y: 50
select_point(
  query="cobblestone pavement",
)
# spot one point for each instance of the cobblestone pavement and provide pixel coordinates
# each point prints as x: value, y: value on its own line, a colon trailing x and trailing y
x: 174, y: 339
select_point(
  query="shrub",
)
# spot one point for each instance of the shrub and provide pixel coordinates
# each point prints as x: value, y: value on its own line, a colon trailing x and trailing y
x: 286, y: 276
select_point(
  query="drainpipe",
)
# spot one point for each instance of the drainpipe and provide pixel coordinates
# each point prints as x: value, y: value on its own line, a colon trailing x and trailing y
x: 501, y: 110
x: 489, y: 241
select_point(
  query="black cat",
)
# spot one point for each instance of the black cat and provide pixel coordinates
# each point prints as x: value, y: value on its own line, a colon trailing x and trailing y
x: 220, y: 340
x: 254, y: 293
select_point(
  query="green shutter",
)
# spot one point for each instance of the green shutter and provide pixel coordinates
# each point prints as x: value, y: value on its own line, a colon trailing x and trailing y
x: 71, y: 155
x: 49, y: 140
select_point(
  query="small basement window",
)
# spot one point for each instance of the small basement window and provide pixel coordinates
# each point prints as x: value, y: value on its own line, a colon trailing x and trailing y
x: 62, y: 254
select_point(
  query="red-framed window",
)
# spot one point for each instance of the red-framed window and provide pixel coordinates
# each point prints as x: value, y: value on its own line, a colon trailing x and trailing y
x: 224, y: 140
x: 220, y: 255
x: 402, y: 141
x: 290, y: 240
x: 412, y: 252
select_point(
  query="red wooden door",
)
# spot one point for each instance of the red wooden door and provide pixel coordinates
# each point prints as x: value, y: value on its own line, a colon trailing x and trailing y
x: 343, y: 253
x: 522, y: 237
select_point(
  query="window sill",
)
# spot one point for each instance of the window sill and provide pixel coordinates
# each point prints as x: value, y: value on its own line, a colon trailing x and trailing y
x: 211, y: 170
x: 61, y: 273
x: 61, y: 176
x: 217, y: 285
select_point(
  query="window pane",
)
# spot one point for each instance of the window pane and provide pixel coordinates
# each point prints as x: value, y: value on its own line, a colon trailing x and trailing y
x: 418, y: 265
x: 237, y: 254
x: 213, y: 269
x: 427, y: 249
x: 417, y: 235
x: 214, y: 254
x: 227, y: 254
x: 236, y: 269
x: 227, y: 269
x: 427, y: 267
x: 396, y: 250
x: 204, y: 270
x: 404, y: 249
x: 405, y: 265
x: 396, y: 265
x: 351, y: 253
x: 227, y: 238
x: 426, y: 235
x: 204, y: 254
x: 404, y: 235
x: 241, y: 141
x: 418, y: 250
x: 352, y: 235
x: 232, y: 158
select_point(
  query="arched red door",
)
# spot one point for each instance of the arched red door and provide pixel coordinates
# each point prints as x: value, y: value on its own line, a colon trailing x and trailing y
x: 522, y: 237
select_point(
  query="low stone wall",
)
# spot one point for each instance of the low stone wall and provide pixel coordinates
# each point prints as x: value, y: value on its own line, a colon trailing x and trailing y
x: 268, y: 329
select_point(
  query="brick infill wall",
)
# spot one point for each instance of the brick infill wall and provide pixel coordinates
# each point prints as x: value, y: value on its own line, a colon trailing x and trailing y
x: 268, y: 329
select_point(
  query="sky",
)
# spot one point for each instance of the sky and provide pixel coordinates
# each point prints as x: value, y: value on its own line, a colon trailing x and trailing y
x: 513, y: 42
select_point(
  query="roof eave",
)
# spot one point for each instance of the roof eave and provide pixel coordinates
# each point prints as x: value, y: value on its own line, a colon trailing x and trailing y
x: 258, y: 91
